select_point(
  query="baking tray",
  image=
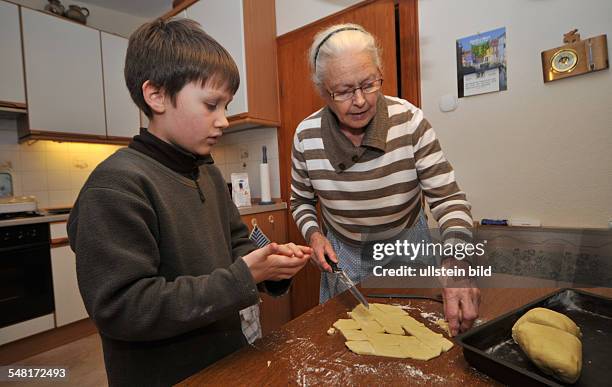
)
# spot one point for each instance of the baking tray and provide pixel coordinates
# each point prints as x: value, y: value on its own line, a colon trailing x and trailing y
x: 490, y: 347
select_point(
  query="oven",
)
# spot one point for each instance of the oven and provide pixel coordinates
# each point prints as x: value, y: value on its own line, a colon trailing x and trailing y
x: 26, y: 286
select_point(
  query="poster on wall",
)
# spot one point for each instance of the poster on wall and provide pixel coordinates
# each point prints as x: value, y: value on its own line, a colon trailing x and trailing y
x: 481, y: 63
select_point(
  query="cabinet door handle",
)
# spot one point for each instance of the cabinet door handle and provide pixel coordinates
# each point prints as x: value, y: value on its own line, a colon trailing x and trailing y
x: 253, y: 222
x: 271, y: 218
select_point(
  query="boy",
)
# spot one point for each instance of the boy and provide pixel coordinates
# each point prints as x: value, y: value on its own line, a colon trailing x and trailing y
x: 164, y: 262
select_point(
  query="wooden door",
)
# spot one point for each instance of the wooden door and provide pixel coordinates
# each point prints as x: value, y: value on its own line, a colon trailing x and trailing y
x: 299, y: 99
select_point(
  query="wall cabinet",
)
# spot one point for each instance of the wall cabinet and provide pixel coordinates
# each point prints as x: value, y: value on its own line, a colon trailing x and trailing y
x: 122, y: 115
x: 247, y: 29
x: 68, y: 303
x: 274, y: 311
x: 74, y: 79
x: 63, y: 68
x: 12, y: 90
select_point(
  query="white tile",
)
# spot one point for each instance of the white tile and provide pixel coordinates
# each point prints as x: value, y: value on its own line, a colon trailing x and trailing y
x: 58, y: 161
x: 79, y: 147
x: 96, y: 159
x: 254, y: 182
x: 10, y: 159
x: 218, y: 154
x: 59, y: 180
x: 229, y: 139
x: 273, y: 148
x: 41, y: 196
x: 57, y: 147
x: 255, y: 151
x: 61, y: 198
x: 275, y: 188
x: 223, y: 169
x: 34, y: 181
x: 17, y: 186
x: 75, y: 194
x: 232, y: 154
x: 235, y: 167
x: 78, y: 178
x: 81, y: 161
x: 274, y: 171
x: 33, y: 161
x: 34, y: 146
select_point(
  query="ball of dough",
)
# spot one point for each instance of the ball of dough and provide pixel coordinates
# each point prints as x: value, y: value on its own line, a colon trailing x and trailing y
x: 550, y: 318
x: 554, y: 351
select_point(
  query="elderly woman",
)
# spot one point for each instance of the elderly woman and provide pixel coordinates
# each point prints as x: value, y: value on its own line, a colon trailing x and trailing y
x: 369, y: 158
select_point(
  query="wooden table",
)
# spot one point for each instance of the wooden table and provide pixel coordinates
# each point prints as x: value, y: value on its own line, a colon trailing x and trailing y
x: 302, y: 353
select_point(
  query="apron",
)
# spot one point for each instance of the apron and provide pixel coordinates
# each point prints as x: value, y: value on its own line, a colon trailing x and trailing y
x: 349, y: 258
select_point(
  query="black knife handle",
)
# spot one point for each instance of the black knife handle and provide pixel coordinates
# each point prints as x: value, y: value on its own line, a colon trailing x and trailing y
x: 331, y: 263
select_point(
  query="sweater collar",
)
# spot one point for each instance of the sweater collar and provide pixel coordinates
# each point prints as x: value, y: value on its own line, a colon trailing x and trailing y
x: 169, y: 155
x: 340, y: 150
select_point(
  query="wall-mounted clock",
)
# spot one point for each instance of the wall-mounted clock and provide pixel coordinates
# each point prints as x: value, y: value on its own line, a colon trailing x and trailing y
x: 575, y: 58
x: 564, y: 60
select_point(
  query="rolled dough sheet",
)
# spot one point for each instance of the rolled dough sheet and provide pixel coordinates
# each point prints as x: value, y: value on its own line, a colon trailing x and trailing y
x: 370, y: 337
x: 346, y: 323
x: 354, y: 335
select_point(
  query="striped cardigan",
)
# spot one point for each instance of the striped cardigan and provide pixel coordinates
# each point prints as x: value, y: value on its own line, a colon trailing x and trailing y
x: 373, y: 191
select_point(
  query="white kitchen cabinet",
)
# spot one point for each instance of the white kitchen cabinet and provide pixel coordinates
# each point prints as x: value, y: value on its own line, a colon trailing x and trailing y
x: 12, y: 90
x: 247, y: 29
x: 63, y: 69
x: 122, y: 114
x: 68, y: 303
x: 223, y: 20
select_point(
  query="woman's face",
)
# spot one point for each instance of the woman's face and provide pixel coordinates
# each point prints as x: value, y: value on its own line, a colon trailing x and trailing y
x: 347, y: 72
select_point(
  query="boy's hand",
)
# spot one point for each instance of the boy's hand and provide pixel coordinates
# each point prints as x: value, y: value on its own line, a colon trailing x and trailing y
x: 276, y: 262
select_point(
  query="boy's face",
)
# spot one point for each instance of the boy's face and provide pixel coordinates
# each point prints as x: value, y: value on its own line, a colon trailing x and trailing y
x: 197, y: 121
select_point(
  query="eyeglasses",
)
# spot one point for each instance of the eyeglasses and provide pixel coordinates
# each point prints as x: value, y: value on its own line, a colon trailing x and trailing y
x: 368, y: 88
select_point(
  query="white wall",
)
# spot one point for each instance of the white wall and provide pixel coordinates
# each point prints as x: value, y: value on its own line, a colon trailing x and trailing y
x: 101, y: 18
x: 536, y: 150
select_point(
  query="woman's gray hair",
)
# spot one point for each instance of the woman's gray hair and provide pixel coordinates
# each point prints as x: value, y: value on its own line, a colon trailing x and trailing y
x: 337, y: 39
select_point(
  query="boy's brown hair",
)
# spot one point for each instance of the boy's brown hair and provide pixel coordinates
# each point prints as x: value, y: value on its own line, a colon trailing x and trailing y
x: 173, y: 53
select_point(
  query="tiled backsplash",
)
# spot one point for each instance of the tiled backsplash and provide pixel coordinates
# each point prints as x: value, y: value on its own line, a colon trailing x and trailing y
x: 241, y: 152
x: 54, y: 172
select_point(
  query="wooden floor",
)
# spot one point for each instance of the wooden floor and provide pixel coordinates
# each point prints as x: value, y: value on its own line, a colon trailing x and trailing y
x: 83, y: 359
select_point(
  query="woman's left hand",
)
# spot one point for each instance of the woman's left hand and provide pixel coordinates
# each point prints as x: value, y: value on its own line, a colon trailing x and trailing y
x: 461, y: 308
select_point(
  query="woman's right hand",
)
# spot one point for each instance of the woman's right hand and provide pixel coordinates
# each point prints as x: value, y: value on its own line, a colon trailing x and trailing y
x: 321, y: 246
x: 277, y: 262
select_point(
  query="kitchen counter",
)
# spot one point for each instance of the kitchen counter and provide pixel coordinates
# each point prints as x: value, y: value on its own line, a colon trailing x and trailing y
x: 302, y: 353
x: 257, y: 208
x: 49, y: 218
x: 37, y: 219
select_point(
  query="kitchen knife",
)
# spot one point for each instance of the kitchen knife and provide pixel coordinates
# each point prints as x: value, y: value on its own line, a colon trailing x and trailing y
x: 347, y: 281
x: 437, y: 297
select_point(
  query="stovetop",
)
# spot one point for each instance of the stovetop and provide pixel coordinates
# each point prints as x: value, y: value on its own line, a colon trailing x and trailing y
x: 19, y: 215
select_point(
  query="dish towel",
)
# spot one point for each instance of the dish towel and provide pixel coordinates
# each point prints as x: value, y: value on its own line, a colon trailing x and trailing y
x: 249, y: 317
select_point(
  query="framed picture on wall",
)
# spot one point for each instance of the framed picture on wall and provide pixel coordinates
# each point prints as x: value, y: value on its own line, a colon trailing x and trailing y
x: 481, y: 63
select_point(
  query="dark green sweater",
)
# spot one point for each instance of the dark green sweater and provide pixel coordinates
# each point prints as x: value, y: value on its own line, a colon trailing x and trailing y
x: 159, y: 269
